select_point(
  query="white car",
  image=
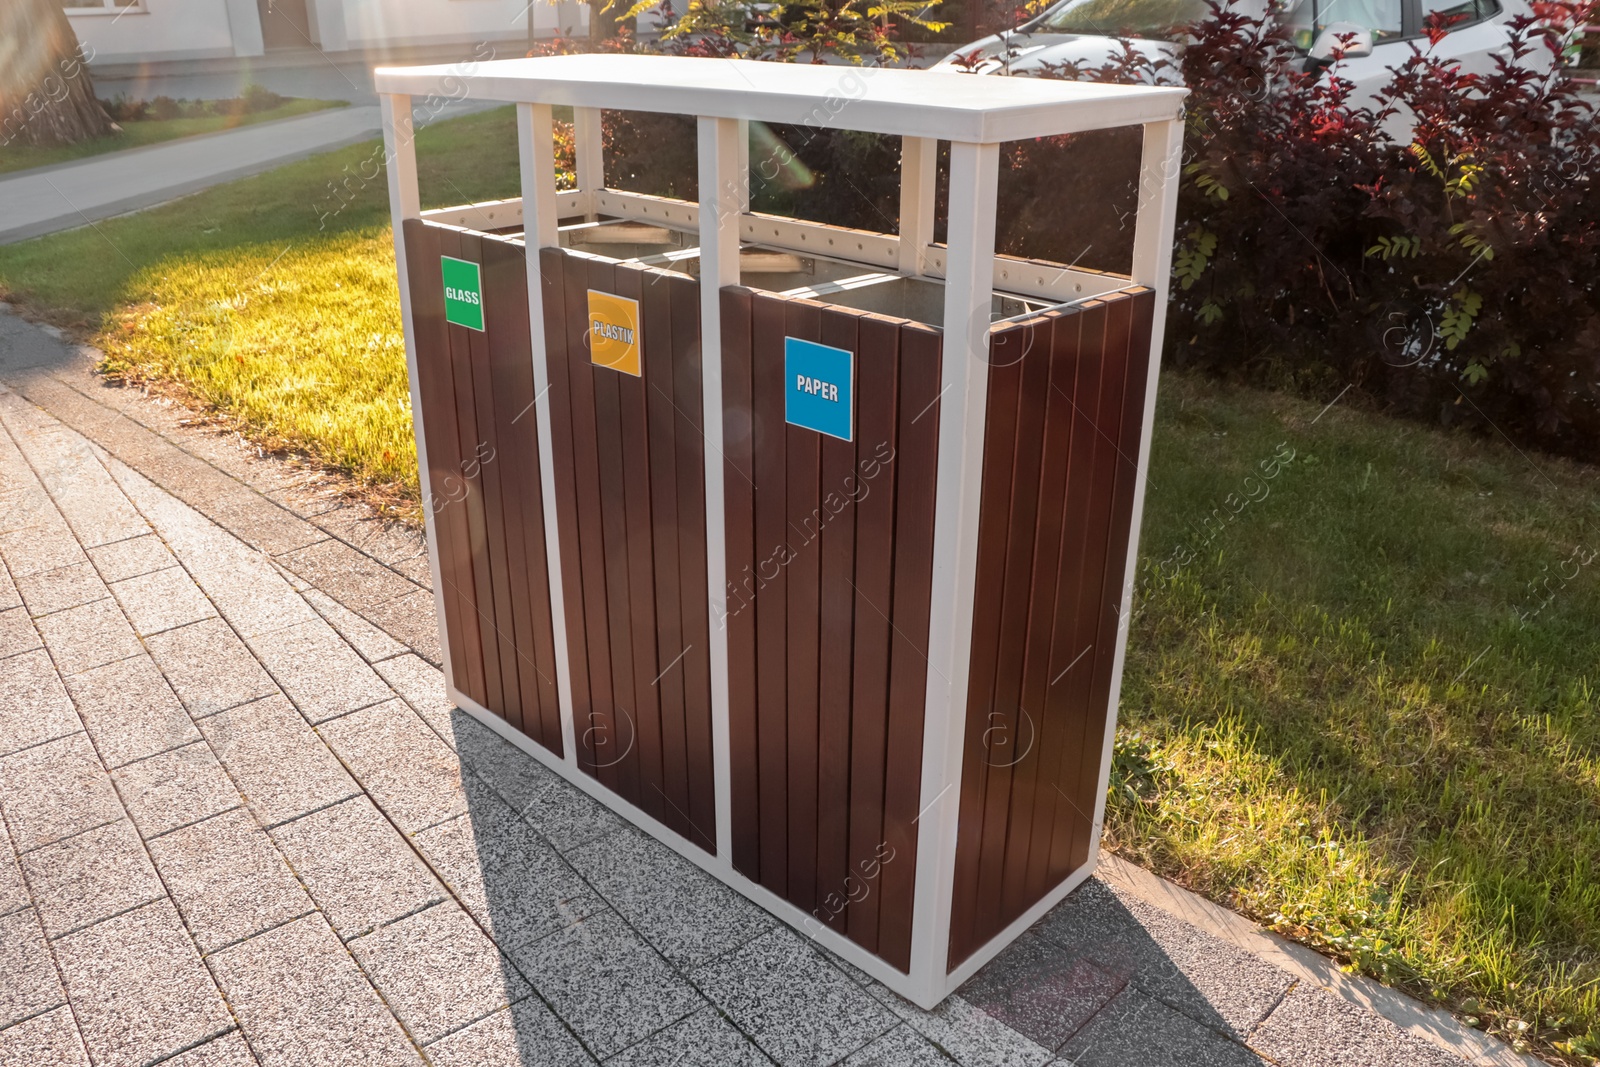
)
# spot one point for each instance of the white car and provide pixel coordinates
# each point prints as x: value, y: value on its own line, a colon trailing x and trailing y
x: 1088, y: 34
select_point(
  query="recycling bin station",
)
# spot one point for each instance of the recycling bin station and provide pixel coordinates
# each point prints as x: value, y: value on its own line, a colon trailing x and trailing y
x: 808, y: 550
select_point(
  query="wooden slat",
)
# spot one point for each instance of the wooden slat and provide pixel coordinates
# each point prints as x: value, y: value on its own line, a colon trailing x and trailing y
x: 877, y: 377
x: 1129, y: 339
x: 978, y: 819
x: 803, y: 459
x: 696, y: 664
x: 633, y: 437
x: 1004, y: 751
x: 837, y: 883
x: 515, y: 464
x: 917, y: 458
x: 552, y: 277
x: 478, y: 593
x: 437, y: 390
x: 738, y: 479
x: 489, y: 462
x: 768, y: 315
x: 598, y: 730
x: 656, y: 333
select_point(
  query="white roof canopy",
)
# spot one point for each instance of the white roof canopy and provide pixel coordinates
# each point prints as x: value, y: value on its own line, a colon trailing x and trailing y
x: 914, y: 103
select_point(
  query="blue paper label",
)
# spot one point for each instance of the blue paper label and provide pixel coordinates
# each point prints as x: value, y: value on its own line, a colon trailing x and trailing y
x: 820, y: 394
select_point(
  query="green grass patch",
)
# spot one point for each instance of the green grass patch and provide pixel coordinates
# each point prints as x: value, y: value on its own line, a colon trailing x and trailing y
x: 151, y: 131
x: 1359, y: 702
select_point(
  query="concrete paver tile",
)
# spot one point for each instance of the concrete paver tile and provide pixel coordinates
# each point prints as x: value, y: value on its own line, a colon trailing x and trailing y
x: 1216, y: 983
x: 162, y: 600
x: 686, y: 914
x: 54, y: 790
x: 388, y: 542
x: 974, y: 1037
x: 9, y: 597
x: 793, y: 1003
x: 132, y: 557
x: 372, y: 643
x: 43, y: 545
x: 303, y: 1003
x: 1313, y: 1028
x: 322, y: 675
x: 51, y: 1038
x: 900, y: 1047
x: 138, y: 987
x: 65, y: 463
x: 422, y: 684
x: 513, y: 883
x: 437, y: 971
x: 522, y: 1035
x: 33, y: 704
x: 1135, y: 1030
x: 130, y: 711
x: 209, y: 667
x: 563, y: 813
x: 13, y: 893
x: 704, y: 1039
x: 266, y: 525
x: 227, y: 879
x: 417, y: 569
x: 30, y: 985
x: 175, y: 788
x: 350, y: 577
x: 17, y: 633
x: 229, y: 1050
x: 90, y: 876
x: 1041, y: 991
x: 88, y: 636
x: 411, y: 619
x: 412, y: 775
x: 278, y: 762
x: 62, y: 588
x: 359, y: 869
x: 606, y: 983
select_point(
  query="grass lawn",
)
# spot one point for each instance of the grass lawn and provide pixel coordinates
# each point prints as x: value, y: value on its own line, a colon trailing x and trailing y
x: 1361, y: 710
x: 151, y: 131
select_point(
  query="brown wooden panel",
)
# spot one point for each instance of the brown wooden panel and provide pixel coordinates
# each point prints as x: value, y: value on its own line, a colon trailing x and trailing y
x: 803, y: 464
x: 1055, y: 562
x: 917, y: 454
x: 743, y: 587
x: 552, y: 276
x: 662, y: 540
x: 437, y: 391
x: 877, y: 376
x: 689, y: 436
x: 830, y: 564
x: 768, y: 326
x: 837, y: 882
x: 1130, y: 335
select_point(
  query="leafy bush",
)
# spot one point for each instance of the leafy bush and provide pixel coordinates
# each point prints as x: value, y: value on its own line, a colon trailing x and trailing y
x: 253, y: 99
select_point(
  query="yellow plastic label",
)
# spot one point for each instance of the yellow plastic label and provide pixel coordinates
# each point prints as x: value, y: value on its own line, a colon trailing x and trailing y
x: 614, y: 332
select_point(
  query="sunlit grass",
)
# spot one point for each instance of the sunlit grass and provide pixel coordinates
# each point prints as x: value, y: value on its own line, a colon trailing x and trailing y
x: 1333, y: 717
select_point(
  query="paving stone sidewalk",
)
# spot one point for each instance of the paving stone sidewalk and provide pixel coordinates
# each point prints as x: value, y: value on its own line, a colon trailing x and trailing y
x: 242, y: 824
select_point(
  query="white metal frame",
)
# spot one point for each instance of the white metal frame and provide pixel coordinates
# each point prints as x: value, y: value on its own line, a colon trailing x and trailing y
x: 976, y: 115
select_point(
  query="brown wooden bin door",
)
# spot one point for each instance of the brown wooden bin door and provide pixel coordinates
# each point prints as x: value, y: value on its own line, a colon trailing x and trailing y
x: 830, y: 556
x: 483, y: 464
x: 630, y: 508
x: 1065, y: 409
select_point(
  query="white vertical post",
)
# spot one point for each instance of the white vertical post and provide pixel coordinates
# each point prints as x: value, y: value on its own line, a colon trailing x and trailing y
x: 1159, y: 170
x: 588, y: 150
x: 536, y: 150
x: 969, y: 281
x: 744, y: 165
x: 720, y: 185
x: 405, y: 202
x: 917, y: 176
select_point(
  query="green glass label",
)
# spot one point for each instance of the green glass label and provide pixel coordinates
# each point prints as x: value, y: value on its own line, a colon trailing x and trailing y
x: 463, y: 293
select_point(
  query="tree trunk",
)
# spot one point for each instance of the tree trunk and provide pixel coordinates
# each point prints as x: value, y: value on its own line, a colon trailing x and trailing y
x: 46, y: 97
